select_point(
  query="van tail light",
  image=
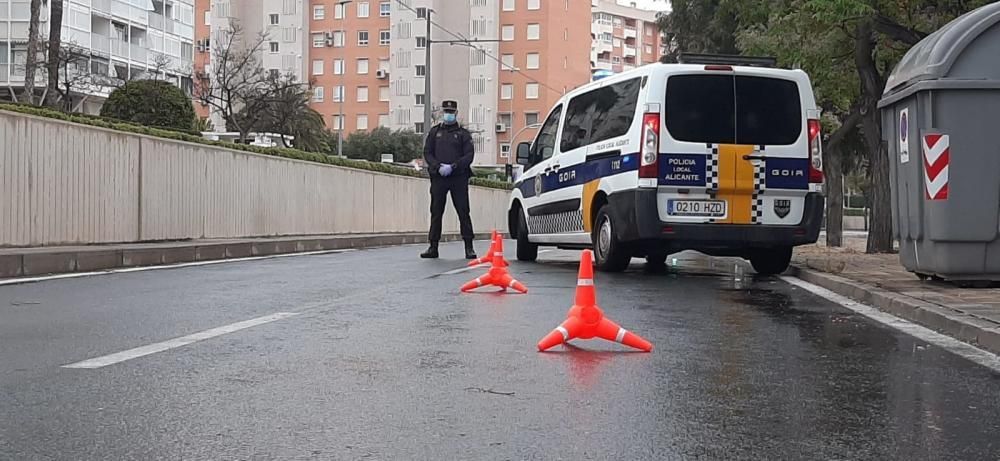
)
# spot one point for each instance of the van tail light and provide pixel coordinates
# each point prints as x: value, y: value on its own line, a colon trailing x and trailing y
x: 815, y: 152
x: 648, y: 166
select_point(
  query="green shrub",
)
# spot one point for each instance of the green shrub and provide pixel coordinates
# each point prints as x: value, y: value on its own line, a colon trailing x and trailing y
x: 273, y: 151
x: 153, y: 103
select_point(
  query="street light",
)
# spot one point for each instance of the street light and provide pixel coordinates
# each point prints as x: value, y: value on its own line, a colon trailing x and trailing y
x: 343, y: 71
x: 513, y: 139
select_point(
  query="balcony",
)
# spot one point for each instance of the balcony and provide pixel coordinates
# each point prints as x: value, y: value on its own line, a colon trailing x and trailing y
x: 4, y: 72
x: 102, y: 6
x: 603, y: 65
x: 100, y: 44
x: 138, y: 53
x: 155, y: 21
x: 631, y: 33
x: 119, y: 48
x: 628, y: 51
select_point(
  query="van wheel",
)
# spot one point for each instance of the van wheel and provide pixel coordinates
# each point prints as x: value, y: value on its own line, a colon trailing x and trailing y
x: 772, y: 261
x: 526, y: 251
x: 610, y: 254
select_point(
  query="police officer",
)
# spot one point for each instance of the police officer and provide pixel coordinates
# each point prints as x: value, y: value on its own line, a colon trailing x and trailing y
x: 448, y: 152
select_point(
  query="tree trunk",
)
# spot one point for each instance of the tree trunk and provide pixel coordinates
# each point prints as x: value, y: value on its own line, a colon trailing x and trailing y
x: 833, y: 167
x: 31, y: 61
x: 55, y: 41
x: 880, y: 231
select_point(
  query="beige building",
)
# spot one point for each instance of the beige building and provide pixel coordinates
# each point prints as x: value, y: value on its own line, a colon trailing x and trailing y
x: 624, y: 37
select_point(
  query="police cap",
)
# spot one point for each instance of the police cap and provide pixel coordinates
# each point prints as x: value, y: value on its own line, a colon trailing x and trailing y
x: 449, y: 105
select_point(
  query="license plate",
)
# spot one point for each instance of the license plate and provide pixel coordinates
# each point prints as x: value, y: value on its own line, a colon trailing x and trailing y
x: 706, y: 208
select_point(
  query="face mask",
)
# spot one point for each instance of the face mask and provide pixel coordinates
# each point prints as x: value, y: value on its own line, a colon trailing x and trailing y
x: 450, y: 118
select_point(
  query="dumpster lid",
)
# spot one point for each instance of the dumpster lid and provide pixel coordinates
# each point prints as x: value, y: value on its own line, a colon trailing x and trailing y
x: 933, y: 57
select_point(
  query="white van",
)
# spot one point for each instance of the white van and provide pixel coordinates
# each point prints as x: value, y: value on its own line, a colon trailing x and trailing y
x: 722, y: 159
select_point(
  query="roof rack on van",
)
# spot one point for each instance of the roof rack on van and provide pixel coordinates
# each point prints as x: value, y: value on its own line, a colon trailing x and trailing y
x: 726, y: 59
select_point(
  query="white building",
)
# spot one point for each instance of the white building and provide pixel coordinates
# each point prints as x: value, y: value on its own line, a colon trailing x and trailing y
x: 116, y: 40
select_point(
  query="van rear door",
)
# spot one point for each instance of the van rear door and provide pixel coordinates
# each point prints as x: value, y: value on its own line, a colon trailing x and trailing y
x: 747, y: 131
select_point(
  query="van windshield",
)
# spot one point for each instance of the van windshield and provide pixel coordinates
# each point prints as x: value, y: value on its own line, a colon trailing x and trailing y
x: 727, y: 109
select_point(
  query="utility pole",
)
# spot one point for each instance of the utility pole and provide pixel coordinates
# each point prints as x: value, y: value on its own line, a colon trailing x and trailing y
x: 428, y: 101
x: 343, y: 71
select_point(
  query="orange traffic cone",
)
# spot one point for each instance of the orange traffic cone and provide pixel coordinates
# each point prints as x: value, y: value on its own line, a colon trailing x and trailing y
x: 488, y: 257
x: 586, y: 320
x: 498, y: 275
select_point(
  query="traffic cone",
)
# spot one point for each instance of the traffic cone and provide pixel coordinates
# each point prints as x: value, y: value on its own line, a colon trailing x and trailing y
x: 498, y: 275
x: 586, y: 320
x: 488, y: 257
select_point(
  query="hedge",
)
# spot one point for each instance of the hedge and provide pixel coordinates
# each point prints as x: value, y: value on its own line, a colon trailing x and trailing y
x: 126, y: 127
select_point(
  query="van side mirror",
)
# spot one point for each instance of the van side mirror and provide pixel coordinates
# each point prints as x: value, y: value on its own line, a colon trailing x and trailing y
x: 524, y: 153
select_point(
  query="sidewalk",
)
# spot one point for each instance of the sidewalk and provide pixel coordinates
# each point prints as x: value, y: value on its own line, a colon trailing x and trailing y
x: 23, y: 262
x: 969, y: 314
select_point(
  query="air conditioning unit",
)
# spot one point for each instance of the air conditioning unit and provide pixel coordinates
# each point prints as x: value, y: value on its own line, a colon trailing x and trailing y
x: 381, y: 74
x: 329, y: 39
x: 501, y: 128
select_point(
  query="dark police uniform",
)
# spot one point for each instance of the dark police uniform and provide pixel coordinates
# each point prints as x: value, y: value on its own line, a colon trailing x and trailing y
x: 450, y: 144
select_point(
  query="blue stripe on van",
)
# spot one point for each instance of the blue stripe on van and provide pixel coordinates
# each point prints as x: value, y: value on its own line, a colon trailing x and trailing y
x: 580, y: 174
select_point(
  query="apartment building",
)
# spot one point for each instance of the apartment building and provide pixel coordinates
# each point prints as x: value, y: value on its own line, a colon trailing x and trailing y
x: 624, y: 37
x: 348, y: 63
x: 114, y: 40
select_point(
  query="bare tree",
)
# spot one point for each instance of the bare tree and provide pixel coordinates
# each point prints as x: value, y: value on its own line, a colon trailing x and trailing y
x: 238, y: 87
x: 34, y: 42
x: 55, y: 43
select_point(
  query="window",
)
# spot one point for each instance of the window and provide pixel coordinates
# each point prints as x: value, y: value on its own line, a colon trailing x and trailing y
x: 421, y: 42
x: 383, y: 37
x: 363, y: 9
x: 616, y: 59
x: 767, y: 110
x: 530, y: 118
x: 318, y: 94
x: 208, y: 18
x: 339, y: 10
x: 617, y: 43
x: 508, y: 5
x: 507, y: 33
x: 418, y: 127
x: 600, y: 114
x: 507, y: 91
x: 319, y: 12
x: 362, y: 122
x: 362, y: 38
x: 649, y: 49
x: 383, y: 93
x: 618, y: 22
x: 362, y: 66
x: 649, y: 31
x: 383, y: 119
x: 319, y: 40
x: 504, y: 149
x: 338, y: 39
x: 318, y: 67
x: 606, y: 37
x: 384, y: 9
x: 274, y: 47
x: 421, y: 12
x: 531, y: 91
x: 534, y: 4
x: 419, y: 99
x: 362, y: 94
x: 421, y: 70
x: 273, y: 18
x: 545, y: 144
x: 338, y: 93
x: 534, y: 31
x: 338, y: 66
x: 532, y: 61
x: 336, y: 122
x: 508, y: 62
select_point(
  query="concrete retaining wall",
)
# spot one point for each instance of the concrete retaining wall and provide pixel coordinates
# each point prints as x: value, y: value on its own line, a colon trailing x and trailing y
x: 62, y: 183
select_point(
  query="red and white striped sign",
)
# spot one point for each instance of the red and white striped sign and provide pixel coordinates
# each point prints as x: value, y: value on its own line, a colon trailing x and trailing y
x: 936, y: 149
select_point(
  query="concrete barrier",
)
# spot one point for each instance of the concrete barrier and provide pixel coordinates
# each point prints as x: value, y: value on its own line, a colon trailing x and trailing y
x: 63, y: 183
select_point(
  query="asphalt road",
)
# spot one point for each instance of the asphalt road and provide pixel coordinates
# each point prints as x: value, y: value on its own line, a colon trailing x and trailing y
x: 386, y: 360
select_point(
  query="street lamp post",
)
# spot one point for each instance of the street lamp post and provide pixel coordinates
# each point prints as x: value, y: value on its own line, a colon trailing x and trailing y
x: 343, y: 71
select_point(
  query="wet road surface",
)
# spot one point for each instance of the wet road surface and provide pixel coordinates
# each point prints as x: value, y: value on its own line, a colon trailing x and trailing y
x: 385, y: 360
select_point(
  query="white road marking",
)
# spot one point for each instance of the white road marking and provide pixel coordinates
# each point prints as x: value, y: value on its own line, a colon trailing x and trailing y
x: 948, y: 343
x: 17, y: 281
x: 176, y: 342
x: 461, y: 269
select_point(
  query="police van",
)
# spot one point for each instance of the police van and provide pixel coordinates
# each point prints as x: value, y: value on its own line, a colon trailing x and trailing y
x: 711, y: 154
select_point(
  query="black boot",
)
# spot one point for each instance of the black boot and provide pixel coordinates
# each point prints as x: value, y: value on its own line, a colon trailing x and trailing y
x: 431, y: 253
x: 470, y: 252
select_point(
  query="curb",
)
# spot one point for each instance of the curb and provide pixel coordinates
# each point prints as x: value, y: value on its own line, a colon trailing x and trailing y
x: 33, y: 262
x: 952, y: 322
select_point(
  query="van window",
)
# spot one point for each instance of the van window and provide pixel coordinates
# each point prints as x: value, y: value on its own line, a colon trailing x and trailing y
x: 600, y: 114
x: 545, y: 143
x: 724, y: 109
